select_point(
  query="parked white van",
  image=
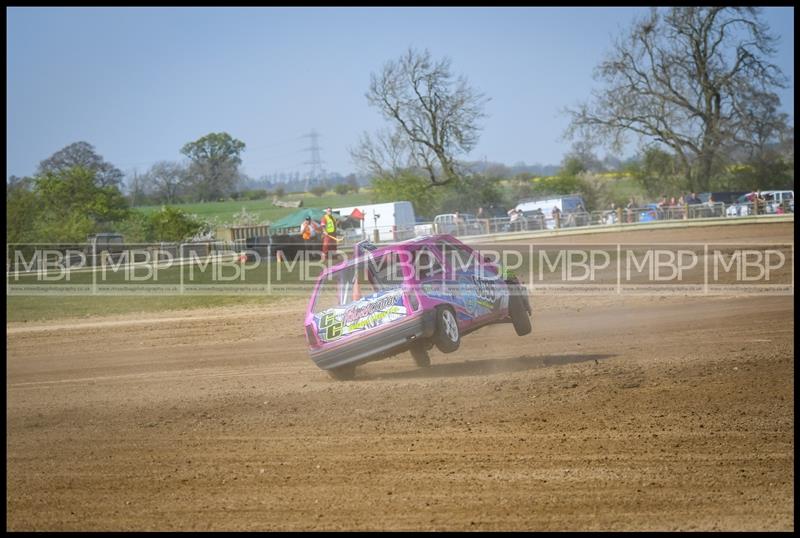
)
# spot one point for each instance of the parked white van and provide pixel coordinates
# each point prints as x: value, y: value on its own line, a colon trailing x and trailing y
x: 394, y: 220
x: 567, y: 204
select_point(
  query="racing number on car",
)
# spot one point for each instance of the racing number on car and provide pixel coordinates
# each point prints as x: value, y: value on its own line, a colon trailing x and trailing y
x: 330, y: 327
x: 485, y: 289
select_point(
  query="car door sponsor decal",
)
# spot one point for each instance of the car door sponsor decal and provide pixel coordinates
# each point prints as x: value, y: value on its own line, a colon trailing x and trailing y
x: 475, y: 295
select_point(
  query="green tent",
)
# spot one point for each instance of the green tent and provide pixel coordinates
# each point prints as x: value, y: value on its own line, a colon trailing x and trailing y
x: 296, y: 219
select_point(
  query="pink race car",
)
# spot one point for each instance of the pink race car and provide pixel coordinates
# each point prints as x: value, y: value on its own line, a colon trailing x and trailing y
x: 408, y: 296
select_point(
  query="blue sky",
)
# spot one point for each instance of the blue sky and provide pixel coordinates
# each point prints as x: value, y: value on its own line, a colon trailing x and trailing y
x: 138, y: 83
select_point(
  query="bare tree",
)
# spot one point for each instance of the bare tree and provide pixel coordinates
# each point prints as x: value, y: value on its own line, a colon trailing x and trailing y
x: 167, y: 180
x: 385, y: 153
x: 434, y: 118
x: 690, y: 79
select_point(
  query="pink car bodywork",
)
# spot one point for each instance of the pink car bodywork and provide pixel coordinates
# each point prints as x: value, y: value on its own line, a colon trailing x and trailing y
x: 388, y: 300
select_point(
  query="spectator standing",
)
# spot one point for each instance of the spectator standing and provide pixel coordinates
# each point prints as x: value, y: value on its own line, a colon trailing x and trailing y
x: 610, y: 216
x: 329, y: 240
x: 483, y: 219
x: 556, y: 216
x: 539, y: 217
x: 309, y: 229
x: 629, y: 209
x: 580, y: 215
x: 672, y: 208
x: 711, y: 205
x: 759, y: 204
x: 662, y: 206
x: 459, y: 222
x: 513, y: 219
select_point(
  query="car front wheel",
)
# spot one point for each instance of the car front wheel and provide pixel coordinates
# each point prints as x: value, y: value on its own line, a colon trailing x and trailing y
x: 447, y: 336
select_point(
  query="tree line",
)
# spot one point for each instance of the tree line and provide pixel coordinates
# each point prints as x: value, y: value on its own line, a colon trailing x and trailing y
x: 692, y: 86
x: 75, y: 193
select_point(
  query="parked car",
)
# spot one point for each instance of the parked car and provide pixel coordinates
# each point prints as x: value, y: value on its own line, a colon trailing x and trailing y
x: 410, y: 296
x: 103, y: 247
x: 650, y: 213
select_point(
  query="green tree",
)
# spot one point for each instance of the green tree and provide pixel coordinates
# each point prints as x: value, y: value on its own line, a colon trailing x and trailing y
x: 215, y: 159
x: 658, y: 172
x: 521, y: 187
x: 73, y: 206
x: 341, y: 189
x: 470, y: 192
x: 407, y: 186
x: 172, y: 225
x: 318, y: 190
x: 564, y: 184
x: 571, y: 167
x: 22, y: 212
x: 135, y: 227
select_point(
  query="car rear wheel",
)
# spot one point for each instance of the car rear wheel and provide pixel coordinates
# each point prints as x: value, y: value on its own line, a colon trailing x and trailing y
x: 519, y: 315
x: 447, y: 336
x: 343, y: 373
x: 421, y: 356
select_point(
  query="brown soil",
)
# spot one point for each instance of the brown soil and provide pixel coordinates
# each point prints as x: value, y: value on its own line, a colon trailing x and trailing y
x: 617, y: 413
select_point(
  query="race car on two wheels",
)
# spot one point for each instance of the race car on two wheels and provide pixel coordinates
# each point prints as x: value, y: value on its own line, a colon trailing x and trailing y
x: 409, y: 296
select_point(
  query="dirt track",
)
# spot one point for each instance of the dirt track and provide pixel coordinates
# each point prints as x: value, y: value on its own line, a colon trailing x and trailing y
x: 632, y: 413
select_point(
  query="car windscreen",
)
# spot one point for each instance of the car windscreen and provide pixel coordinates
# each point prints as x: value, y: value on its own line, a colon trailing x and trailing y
x: 569, y: 205
x: 357, y: 280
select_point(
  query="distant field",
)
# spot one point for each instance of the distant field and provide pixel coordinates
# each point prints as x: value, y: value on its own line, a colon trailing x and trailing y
x: 27, y: 309
x: 224, y: 212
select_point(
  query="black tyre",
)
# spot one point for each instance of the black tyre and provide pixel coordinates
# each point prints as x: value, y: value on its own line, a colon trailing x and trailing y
x: 421, y: 356
x: 447, y: 337
x: 519, y: 315
x: 343, y: 373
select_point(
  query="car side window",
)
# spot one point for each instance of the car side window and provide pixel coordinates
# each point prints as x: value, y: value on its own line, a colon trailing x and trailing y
x: 426, y: 264
x: 458, y: 257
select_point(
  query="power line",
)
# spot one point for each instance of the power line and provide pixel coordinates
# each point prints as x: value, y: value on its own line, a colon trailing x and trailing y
x: 316, y: 161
